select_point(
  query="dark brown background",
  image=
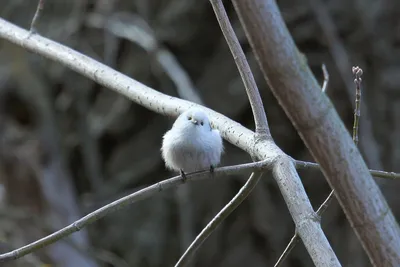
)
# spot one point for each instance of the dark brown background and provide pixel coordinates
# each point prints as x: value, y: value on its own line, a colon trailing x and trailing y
x: 69, y: 146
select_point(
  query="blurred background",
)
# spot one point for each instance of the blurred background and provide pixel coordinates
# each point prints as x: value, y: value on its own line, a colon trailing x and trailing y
x: 69, y: 146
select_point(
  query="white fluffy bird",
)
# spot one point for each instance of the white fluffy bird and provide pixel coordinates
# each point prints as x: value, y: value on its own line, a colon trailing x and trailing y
x: 192, y: 144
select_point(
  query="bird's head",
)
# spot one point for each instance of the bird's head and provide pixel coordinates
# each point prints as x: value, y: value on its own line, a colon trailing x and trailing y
x: 194, y: 118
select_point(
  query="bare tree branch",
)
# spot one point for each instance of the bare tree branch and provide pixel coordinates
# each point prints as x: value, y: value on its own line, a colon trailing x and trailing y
x: 326, y: 78
x: 295, y: 239
x: 287, y: 177
x: 322, y: 130
x: 292, y: 243
x: 262, y: 128
x: 260, y: 119
x: 36, y: 17
x: 357, y: 72
x: 321, y: 256
x: 232, y: 131
x: 124, y: 201
x: 284, y: 166
x: 136, y: 29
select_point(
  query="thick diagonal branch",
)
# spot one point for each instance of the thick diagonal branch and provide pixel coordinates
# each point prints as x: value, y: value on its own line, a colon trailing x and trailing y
x: 320, y: 127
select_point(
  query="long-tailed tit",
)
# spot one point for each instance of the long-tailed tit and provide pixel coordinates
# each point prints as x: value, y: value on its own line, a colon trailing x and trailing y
x: 192, y: 144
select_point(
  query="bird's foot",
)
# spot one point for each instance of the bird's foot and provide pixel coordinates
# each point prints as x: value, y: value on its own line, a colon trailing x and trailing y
x: 183, y: 175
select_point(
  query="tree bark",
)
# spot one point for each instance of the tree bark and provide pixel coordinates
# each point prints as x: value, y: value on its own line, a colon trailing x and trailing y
x: 320, y: 127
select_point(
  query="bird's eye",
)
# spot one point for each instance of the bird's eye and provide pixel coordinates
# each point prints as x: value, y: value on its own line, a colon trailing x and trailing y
x: 189, y: 117
x: 201, y: 123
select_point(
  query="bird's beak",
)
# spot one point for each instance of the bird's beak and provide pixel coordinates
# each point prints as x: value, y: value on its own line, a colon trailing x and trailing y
x: 195, y: 122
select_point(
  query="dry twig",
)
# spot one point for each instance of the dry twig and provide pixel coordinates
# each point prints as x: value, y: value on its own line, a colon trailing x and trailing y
x: 36, y: 17
x: 260, y: 118
x: 342, y: 61
x: 357, y: 72
x: 122, y: 202
x: 304, y: 165
x: 219, y: 218
x: 326, y: 78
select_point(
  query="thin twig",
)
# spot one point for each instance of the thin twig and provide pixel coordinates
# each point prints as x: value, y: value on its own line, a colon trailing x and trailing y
x: 357, y: 72
x: 36, y: 17
x: 326, y: 78
x: 295, y: 239
x: 304, y: 165
x: 325, y: 204
x: 260, y: 119
x: 219, y: 218
x: 124, y: 201
x: 342, y: 59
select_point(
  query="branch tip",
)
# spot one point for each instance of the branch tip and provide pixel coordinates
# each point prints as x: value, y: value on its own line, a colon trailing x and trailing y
x: 36, y: 17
